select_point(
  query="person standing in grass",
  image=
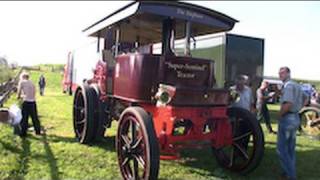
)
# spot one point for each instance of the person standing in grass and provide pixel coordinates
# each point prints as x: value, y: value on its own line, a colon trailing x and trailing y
x: 42, y: 84
x: 246, y: 102
x: 261, y: 105
x: 27, y: 92
x: 245, y: 94
x: 292, y: 100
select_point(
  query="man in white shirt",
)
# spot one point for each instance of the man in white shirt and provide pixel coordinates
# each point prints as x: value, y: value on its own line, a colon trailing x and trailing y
x: 245, y: 94
x: 27, y: 92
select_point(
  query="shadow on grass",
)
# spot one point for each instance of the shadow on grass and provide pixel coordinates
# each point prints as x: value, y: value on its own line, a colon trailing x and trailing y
x: 106, y: 143
x: 203, y: 163
x: 24, y: 157
x: 23, y: 160
x: 10, y: 147
x: 54, y: 171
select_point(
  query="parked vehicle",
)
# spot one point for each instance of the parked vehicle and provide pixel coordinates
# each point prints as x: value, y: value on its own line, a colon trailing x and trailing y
x: 78, y: 69
x: 274, y: 87
x: 163, y: 101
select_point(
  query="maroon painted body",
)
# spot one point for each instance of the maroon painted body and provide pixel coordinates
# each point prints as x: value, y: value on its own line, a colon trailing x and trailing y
x: 137, y: 78
x: 100, y: 75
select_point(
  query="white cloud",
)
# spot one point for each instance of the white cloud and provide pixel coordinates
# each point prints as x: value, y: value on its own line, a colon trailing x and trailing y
x: 44, y: 32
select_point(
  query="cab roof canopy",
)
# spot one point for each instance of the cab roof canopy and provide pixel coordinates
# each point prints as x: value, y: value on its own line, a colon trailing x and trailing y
x: 142, y: 21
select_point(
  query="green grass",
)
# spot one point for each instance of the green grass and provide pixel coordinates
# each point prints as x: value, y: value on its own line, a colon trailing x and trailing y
x: 57, y: 155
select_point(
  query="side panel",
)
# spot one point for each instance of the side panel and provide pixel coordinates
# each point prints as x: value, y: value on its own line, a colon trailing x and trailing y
x: 213, y: 48
x: 244, y: 55
x: 135, y: 76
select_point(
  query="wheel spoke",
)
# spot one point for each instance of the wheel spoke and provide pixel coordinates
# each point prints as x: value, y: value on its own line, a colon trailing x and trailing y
x: 78, y: 108
x: 243, y: 151
x: 308, y: 117
x: 133, y: 131
x: 137, y: 143
x: 125, y: 161
x: 242, y: 136
x: 78, y: 133
x: 231, y: 157
x: 82, y: 121
x: 135, y: 168
x: 235, y: 125
x: 140, y: 160
x: 126, y: 140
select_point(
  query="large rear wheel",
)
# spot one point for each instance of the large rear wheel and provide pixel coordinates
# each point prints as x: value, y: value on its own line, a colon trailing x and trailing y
x: 247, y: 148
x: 85, y: 120
x: 137, y: 145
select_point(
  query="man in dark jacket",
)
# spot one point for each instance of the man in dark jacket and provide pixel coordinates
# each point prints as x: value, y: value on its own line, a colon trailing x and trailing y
x: 42, y: 84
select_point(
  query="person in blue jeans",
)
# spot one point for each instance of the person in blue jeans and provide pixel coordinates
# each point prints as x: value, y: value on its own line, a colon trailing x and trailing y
x: 292, y: 100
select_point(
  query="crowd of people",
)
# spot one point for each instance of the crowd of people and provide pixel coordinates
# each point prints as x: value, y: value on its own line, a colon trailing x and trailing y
x: 292, y: 99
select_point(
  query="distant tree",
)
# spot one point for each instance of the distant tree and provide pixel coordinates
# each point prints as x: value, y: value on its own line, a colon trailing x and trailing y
x: 3, y: 61
x: 5, y: 73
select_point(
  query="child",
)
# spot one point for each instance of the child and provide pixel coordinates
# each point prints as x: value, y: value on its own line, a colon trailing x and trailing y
x: 11, y: 116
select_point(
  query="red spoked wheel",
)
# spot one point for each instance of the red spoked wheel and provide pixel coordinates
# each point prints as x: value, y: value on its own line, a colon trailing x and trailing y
x: 137, y: 145
x: 246, y: 151
x: 308, y: 116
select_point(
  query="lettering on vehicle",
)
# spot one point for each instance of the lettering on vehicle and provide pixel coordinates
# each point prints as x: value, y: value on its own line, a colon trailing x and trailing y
x: 186, y: 66
x: 189, y: 13
x: 181, y: 74
x: 180, y: 68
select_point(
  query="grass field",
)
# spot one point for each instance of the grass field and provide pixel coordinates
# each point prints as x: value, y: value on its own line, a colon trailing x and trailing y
x: 57, y: 155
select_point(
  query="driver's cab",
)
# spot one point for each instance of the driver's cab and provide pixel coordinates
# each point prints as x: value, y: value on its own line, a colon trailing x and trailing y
x: 145, y: 44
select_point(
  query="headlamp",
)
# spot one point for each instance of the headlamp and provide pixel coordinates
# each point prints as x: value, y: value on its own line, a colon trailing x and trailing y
x: 165, y: 94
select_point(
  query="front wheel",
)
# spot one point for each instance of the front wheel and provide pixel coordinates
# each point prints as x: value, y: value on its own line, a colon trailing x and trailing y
x: 137, y: 145
x: 247, y: 148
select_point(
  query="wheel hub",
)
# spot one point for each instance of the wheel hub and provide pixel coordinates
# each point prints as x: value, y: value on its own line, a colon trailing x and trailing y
x: 130, y: 151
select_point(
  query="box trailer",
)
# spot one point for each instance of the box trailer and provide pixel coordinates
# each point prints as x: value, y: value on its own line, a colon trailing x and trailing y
x: 79, y: 67
x: 233, y: 55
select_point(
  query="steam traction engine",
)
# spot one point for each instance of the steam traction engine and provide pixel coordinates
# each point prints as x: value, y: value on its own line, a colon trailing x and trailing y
x: 163, y: 100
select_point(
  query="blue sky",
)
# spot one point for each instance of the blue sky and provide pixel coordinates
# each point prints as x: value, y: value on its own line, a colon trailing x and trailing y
x: 291, y: 31
x: 44, y: 32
